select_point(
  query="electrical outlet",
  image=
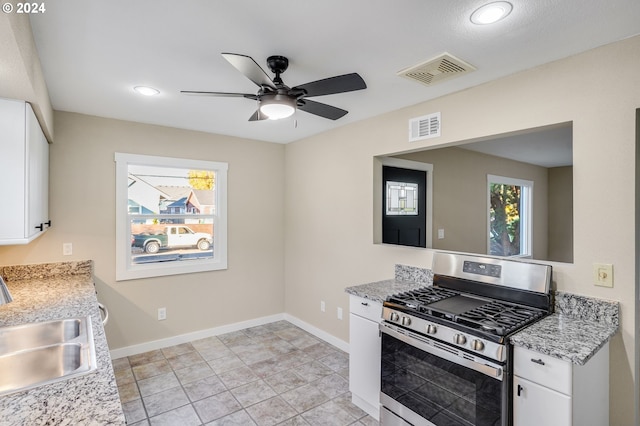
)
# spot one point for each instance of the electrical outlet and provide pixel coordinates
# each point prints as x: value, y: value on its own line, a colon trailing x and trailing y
x: 162, y: 314
x: 441, y: 234
x: 603, y: 274
x: 322, y: 306
x: 67, y: 249
x: 339, y: 313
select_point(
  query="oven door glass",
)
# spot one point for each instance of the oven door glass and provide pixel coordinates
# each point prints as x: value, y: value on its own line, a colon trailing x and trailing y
x: 437, y: 389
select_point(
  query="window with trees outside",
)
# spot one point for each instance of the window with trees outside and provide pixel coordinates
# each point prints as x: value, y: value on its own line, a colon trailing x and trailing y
x: 510, y: 211
x: 170, y: 216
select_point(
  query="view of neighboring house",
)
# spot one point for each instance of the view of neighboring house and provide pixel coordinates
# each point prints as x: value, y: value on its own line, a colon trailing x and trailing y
x: 201, y: 201
x: 176, y: 201
x: 145, y: 198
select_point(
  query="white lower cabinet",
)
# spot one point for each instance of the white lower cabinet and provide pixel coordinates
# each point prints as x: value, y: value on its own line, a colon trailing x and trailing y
x: 539, y: 405
x: 364, y: 354
x: 550, y: 391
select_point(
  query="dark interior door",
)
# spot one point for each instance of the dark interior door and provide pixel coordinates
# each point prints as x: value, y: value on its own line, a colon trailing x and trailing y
x: 399, y: 227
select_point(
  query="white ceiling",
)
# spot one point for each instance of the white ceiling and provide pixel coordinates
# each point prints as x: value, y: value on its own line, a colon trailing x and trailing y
x: 546, y: 147
x: 94, y: 52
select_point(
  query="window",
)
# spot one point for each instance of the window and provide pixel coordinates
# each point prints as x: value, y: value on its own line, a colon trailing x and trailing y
x: 402, y: 198
x: 170, y: 216
x: 510, y: 204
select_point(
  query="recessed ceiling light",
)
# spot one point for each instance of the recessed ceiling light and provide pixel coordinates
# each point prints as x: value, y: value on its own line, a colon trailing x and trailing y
x: 491, y: 12
x: 146, y: 90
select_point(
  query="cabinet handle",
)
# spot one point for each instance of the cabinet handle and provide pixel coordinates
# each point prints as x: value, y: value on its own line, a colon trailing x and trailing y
x: 537, y: 361
x: 40, y: 227
x: 364, y: 303
x: 520, y: 389
x: 48, y: 223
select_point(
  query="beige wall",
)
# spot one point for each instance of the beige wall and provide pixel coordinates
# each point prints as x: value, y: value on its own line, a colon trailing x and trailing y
x: 561, y: 213
x: 329, y: 194
x: 82, y: 191
x: 20, y: 71
x: 460, y: 197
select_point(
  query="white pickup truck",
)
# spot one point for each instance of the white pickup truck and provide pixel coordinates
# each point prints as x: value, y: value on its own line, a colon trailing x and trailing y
x: 175, y: 236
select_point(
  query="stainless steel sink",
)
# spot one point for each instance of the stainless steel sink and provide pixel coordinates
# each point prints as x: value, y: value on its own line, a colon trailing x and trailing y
x: 36, y: 354
x: 38, y: 334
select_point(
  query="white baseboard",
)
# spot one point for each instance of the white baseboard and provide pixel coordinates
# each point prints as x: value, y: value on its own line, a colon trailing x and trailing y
x: 320, y: 334
x: 201, y: 334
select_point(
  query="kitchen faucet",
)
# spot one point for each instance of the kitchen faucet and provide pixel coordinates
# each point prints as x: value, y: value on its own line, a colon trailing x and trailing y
x: 5, y: 296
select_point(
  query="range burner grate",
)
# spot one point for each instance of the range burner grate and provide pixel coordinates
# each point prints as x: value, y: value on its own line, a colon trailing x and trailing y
x: 499, y: 317
x: 418, y: 299
x: 491, y: 317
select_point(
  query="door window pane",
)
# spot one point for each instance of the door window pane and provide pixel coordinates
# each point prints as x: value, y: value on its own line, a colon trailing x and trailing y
x: 402, y: 198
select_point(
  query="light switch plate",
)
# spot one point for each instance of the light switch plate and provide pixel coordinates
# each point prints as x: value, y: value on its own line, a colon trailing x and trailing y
x: 603, y: 274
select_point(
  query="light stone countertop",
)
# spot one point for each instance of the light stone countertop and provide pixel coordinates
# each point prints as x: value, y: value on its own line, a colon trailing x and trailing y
x: 380, y: 290
x: 406, y: 278
x: 576, y: 331
x: 53, y: 291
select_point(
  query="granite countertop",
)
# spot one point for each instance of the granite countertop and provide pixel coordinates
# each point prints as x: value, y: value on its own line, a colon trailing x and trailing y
x: 579, y: 327
x: 378, y: 291
x: 53, y: 291
x: 406, y: 278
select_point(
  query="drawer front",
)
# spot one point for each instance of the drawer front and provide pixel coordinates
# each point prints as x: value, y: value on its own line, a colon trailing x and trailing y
x: 365, y: 308
x: 542, y: 369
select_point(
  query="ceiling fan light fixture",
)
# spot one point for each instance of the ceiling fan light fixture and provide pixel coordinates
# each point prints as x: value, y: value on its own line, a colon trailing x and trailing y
x: 277, y: 106
x: 491, y: 12
x: 146, y: 90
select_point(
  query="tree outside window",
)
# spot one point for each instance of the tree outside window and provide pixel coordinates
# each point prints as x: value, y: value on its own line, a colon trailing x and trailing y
x: 510, y: 203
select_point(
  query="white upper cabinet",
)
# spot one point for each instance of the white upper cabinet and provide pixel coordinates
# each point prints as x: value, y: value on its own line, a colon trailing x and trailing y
x: 24, y: 174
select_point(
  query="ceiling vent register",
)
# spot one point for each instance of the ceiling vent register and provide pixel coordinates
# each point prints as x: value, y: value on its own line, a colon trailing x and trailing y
x: 436, y: 70
x: 425, y: 127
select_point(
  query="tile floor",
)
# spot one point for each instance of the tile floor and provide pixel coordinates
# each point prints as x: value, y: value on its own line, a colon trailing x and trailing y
x: 274, y: 374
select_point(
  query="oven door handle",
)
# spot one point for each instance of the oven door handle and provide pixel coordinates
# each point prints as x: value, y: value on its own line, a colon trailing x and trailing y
x: 440, y: 350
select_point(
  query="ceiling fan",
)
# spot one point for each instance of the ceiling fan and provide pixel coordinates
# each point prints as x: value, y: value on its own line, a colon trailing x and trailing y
x: 277, y: 100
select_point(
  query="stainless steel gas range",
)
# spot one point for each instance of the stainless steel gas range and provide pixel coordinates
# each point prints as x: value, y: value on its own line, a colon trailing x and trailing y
x: 446, y: 357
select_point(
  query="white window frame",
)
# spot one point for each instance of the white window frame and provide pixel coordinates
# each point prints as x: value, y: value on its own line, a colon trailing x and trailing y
x: 526, y: 212
x: 125, y: 269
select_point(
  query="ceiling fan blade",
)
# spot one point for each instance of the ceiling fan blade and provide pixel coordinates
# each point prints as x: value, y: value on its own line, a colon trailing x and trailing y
x: 256, y: 116
x: 247, y: 66
x: 323, y: 110
x: 225, y: 94
x: 332, y: 85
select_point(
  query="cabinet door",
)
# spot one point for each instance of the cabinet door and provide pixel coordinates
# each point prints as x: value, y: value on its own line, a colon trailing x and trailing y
x: 37, y: 172
x: 12, y: 170
x: 535, y: 405
x: 364, y: 360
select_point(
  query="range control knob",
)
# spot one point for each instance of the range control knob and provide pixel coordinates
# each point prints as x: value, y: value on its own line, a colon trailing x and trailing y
x: 406, y: 321
x: 477, y: 345
x: 394, y: 316
x: 460, y: 339
x: 432, y: 329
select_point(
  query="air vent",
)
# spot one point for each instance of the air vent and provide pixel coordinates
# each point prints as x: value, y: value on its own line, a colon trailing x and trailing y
x: 425, y: 127
x: 436, y: 70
